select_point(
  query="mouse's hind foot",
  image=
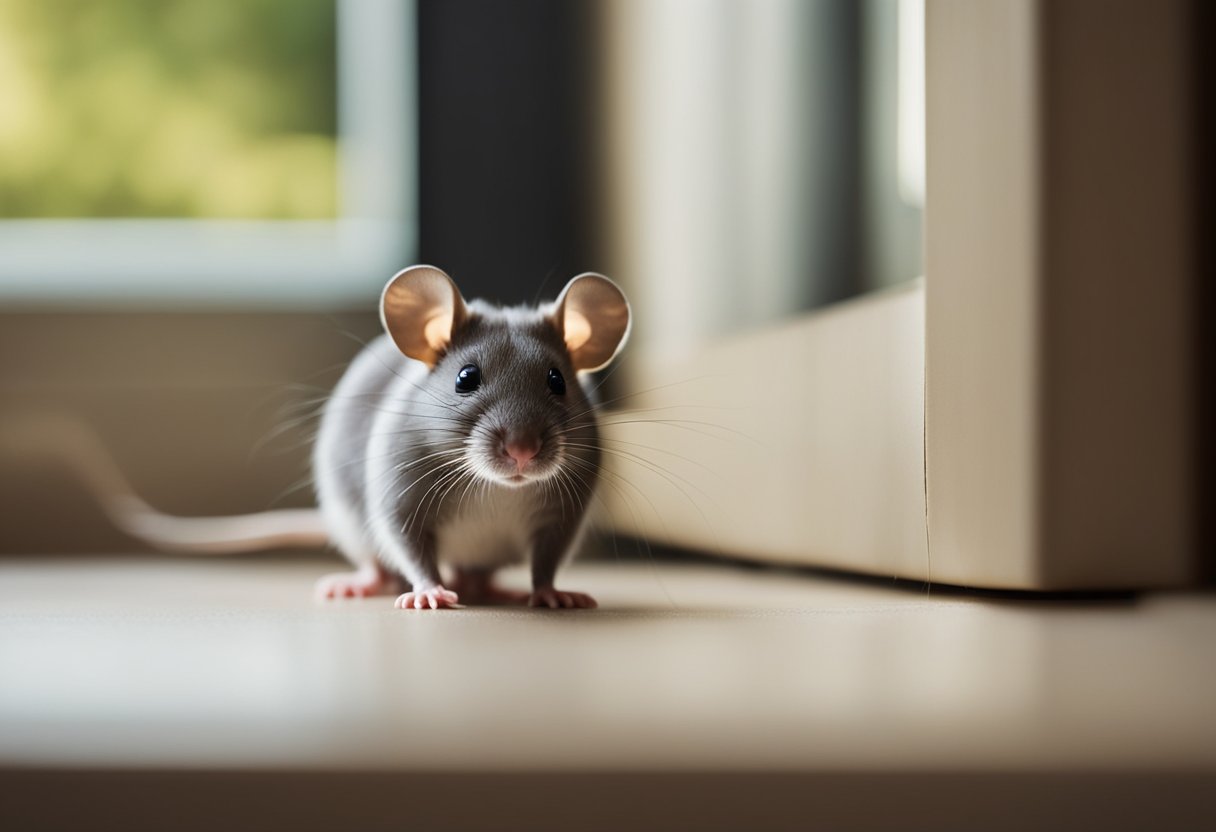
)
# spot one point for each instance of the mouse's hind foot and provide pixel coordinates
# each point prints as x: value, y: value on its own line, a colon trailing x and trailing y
x: 558, y: 600
x: 364, y: 582
x: 476, y: 586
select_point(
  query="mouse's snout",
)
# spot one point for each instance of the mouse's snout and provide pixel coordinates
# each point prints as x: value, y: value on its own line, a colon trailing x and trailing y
x: 517, y: 455
x: 521, y: 449
x: 517, y: 452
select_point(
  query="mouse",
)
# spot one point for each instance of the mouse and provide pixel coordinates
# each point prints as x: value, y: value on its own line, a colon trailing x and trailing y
x: 461, y: 440
x: 465, y: 439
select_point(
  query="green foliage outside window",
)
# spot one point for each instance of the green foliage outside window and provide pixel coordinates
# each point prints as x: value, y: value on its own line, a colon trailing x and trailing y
x: 168, y: 108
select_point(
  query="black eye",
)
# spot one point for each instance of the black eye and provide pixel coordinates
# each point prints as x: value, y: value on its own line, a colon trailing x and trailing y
x: 468, y: 379
x: 556, y: 383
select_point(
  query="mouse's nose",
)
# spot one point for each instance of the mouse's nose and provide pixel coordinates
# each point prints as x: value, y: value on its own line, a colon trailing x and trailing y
x: 522, y: 449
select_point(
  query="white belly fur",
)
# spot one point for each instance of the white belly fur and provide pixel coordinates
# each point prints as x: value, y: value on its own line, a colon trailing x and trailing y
x: 491, y: 530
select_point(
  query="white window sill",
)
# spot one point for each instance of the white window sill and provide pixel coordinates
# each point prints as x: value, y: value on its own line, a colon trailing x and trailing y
x: 777, y: 683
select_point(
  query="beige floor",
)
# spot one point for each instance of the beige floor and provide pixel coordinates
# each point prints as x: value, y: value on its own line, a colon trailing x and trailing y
x: 746, y: 679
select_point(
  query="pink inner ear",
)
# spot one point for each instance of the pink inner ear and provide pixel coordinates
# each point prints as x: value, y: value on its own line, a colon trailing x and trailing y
x: 438, y: 331
x: 577, y: 329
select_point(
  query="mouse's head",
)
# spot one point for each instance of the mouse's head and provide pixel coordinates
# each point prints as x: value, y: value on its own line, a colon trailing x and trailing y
x: 505, y: 382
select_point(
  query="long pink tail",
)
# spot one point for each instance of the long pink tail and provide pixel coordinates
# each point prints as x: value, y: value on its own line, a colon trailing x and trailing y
x: 78, y: 447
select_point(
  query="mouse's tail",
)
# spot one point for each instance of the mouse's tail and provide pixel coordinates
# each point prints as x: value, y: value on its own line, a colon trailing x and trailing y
x: 78, y: 447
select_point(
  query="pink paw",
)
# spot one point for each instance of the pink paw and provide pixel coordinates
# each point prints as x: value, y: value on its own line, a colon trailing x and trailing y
x: 435, y: 598
x: 556, y: 599
x: 362, y: 583
x: 478, y: 587
x: 507, y: 597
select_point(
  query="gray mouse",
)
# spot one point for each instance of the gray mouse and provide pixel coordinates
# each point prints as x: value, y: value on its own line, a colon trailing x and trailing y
x: 464, y: 437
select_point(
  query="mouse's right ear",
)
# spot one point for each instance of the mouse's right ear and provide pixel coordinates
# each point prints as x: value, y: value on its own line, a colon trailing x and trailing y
x: 420, y: 309
x: 593, y: 317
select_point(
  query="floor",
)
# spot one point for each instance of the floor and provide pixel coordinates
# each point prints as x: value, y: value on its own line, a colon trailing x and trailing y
x: 702, y: 692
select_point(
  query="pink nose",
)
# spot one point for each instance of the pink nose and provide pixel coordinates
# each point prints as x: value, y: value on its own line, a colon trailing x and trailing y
x: 522, y: 450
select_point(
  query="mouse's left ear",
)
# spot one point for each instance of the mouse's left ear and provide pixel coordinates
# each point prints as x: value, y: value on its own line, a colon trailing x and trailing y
x: 593, y: 317
x: 420, y: 309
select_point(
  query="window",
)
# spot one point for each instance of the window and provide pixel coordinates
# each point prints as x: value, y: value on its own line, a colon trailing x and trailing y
x: 241, y: 150
x: 1022, y: 417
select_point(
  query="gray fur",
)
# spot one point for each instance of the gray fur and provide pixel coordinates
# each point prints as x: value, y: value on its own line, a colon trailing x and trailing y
x: 405, y: 465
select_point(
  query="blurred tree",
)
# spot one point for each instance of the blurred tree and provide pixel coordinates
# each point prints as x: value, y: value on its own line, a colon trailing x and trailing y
x: 168, y: 108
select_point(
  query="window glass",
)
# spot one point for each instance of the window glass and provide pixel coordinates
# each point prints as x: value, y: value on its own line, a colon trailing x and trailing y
x: 768, y: 158
x: 219, y: 109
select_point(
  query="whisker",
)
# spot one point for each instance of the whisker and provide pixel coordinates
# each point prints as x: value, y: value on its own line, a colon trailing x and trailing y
x: 627, y: 501
x: 687, y: 459
x: 604, y: 404
x: 650, y: 465
x: 671, y: 478
x: 685, y: 424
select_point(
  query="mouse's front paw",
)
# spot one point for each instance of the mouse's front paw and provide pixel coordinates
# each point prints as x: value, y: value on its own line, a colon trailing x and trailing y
x: 362, y: 583
x: 556, y: 599
x: 435, y: 598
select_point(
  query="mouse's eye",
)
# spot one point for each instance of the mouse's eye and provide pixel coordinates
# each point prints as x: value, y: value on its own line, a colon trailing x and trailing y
x: 556, y: 383
x: 468, y: 379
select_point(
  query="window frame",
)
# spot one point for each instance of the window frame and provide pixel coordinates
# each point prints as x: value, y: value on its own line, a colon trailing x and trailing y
x: 1031, y: 401
x: 281, y: 263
